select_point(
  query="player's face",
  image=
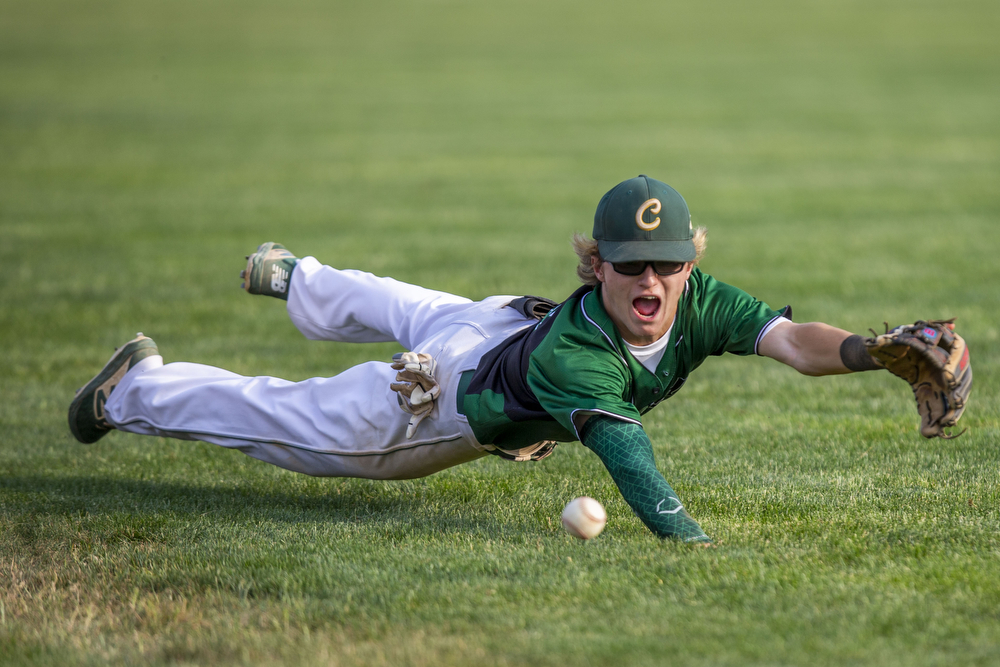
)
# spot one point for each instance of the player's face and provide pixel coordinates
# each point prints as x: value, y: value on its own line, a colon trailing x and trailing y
x: 643, y: 306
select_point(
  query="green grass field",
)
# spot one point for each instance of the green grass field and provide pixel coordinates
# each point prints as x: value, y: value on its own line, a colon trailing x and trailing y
x: 845, y: 156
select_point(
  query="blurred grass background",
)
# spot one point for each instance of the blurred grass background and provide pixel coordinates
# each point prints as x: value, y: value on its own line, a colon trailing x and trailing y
x: 844, y: 155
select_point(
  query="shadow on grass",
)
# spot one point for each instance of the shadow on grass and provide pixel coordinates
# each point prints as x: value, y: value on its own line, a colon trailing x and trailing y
x: 130, y: 510
x: 40, y: 495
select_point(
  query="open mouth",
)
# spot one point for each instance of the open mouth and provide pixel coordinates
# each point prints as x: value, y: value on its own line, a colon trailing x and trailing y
x: 646, y: 307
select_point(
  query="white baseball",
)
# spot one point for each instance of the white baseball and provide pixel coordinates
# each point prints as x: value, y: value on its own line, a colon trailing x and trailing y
x: 584, y: 517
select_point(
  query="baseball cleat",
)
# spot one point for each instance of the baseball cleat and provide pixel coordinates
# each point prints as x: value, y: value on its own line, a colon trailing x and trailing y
x: 86, y: 412
x: 269, y: 271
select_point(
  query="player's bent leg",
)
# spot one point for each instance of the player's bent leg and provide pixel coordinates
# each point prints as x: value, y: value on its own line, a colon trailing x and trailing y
x: 349, y: 425
x: 326, y: 303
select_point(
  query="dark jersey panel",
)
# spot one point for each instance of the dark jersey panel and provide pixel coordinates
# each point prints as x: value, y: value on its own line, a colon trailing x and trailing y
x: 504, y: 369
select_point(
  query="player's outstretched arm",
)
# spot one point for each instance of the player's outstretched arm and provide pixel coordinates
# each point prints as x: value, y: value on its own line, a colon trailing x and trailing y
x: 816, y: 349
x: 627, y: 453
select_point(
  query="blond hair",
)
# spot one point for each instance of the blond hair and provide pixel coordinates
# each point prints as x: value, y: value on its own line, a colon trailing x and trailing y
x: 586, y: 248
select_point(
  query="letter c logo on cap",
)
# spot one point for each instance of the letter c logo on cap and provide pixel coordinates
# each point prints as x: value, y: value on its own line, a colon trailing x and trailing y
x: 654, y: 206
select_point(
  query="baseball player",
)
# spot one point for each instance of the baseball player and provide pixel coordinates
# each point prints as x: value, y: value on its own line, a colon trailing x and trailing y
x: 506, y: 376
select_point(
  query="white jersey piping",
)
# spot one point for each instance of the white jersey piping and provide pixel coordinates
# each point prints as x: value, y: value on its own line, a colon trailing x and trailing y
x: 583, y: 309
x: 572, y: 419
x: 766, y: 329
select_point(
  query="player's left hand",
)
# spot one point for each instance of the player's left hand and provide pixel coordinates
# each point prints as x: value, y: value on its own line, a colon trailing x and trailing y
x: 934, y: 360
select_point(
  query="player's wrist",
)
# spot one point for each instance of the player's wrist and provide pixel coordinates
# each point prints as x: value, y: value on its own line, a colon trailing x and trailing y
x: 855, y: 356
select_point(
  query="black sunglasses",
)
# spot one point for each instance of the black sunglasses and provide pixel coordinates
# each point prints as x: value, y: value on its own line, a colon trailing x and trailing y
x: 637, y: 268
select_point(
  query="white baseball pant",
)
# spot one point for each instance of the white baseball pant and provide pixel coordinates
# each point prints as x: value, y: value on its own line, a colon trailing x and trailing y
x: 349, y: 425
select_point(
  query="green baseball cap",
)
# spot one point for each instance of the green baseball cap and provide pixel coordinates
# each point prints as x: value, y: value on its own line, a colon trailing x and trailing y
x: 643, y: 219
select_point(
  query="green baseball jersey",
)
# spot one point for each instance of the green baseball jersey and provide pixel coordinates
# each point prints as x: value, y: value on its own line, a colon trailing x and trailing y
x: 529, y: 387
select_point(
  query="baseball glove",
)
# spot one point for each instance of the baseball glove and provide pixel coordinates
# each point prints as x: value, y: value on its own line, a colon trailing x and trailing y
x: 934, y: 360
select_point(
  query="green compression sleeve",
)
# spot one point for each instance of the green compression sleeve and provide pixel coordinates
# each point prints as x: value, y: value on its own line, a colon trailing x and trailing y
x: 627, y: 453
